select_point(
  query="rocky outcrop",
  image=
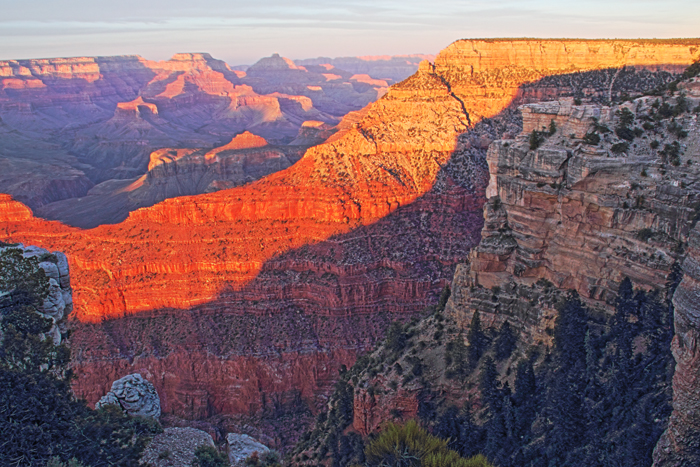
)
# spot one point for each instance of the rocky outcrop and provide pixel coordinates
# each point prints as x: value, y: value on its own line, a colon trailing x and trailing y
x: 241, y: 447
x: 59, y: 302
x: 581, y: 215
x: 134, y: 395
x: 680, y: 443
x: 175, y: 447
x: 315, y: 260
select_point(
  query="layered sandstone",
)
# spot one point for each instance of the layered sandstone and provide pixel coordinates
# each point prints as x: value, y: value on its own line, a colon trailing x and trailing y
x: 579, y: 215
x: 366, y: 227
x: 489, y: 74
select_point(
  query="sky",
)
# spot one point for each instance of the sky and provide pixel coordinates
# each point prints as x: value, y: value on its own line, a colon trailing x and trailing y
x: 242, y: 32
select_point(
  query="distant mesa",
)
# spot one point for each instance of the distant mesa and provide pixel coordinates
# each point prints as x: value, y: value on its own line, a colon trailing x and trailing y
x: 368, y: 80
x: 274, y: 62
x: 245, y: 140
x: 136, y: 106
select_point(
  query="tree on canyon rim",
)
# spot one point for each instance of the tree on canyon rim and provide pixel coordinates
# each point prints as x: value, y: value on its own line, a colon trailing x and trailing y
x: 41, y: 422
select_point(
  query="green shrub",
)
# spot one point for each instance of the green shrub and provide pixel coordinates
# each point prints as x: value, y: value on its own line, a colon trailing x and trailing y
x: 671, y: 152
x: 598, y: 127
x: 591, y: 138
x: 677, y: 130
x: 410, y: 445
x: 625, y: 116
x: 645, y: 234
x: 536, y: 139
x: 209, y: 456
x: 692, y: 71
x: 619, y: 148
x: 624, y: 132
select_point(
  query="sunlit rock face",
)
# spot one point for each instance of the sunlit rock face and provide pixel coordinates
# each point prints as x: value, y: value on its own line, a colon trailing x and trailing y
x: 247, y: 300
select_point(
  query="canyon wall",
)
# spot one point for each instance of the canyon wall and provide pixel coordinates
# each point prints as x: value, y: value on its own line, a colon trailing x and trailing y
x: 365, y: 228
x: 680, y: 443
x: 581, y: 216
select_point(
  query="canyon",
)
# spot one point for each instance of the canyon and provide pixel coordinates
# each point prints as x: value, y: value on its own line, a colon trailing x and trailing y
x: 245, y: 302
x: 77, y: 134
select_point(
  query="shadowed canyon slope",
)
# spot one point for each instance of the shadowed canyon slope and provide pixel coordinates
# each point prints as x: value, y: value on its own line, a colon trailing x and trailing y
x: 365, y: 227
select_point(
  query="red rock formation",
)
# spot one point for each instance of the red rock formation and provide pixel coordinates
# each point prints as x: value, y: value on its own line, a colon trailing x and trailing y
x: 374, y: 220
x: 245, y: 140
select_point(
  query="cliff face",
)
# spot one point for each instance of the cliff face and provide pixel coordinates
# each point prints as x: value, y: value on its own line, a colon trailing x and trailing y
x: 680, y: 443
x: 367, y: 226
x: 580, y: 215
x: 611, y: 193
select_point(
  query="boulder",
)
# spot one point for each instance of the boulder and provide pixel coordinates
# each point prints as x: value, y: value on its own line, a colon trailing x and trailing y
x: 175, y: 447
x: 135, y: 395
x: 240, y: 447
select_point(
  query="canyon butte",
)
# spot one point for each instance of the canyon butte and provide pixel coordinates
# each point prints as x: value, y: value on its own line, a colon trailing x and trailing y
x: 243, y: 304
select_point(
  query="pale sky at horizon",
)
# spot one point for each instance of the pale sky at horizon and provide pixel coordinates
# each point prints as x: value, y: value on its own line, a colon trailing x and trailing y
x: 242, y: 32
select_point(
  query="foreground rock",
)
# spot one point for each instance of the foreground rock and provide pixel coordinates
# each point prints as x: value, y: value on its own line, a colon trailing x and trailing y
x: 175, y: 447
x: 134, y: 395
x: 59, y: 303
x: 241, y: 447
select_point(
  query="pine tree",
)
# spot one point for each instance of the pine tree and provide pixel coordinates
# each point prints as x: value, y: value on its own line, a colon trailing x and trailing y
x: 488, y: 385
x: 505, y: 342
x: 478, y: 342
x: 570, y: 333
